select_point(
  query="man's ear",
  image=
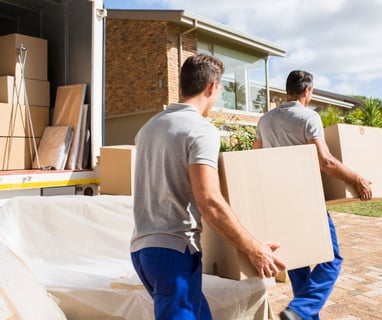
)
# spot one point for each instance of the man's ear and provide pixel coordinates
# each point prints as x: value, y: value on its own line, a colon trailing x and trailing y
x: 307, y: 91
x: 212, y: 87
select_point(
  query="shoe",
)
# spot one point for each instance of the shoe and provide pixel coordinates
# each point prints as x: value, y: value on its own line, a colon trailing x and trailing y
x: 289, y: 314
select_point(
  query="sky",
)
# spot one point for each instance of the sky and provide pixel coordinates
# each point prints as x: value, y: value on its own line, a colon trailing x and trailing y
x: 338, y: 41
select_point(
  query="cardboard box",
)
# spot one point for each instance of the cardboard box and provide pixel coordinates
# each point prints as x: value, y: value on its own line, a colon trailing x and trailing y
x: 38, y: 92
x: 116, y: 169
x: 277, y: 195
x: 14, y: 120
x: 17, y: 153
x: 360, y: 149
x: 36, y: 62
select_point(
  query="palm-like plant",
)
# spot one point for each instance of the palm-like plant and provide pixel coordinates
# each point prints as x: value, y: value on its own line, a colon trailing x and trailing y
x: 330, y: 116
x: 371, y: 112
x: 354, y: 117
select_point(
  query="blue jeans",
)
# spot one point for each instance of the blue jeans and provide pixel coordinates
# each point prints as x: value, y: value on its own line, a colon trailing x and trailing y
x: 174, y: 281
x: 311, y: 288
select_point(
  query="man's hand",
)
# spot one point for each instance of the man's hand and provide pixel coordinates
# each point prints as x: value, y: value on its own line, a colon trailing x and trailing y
x: 364, y: 189
x: 265, y: 262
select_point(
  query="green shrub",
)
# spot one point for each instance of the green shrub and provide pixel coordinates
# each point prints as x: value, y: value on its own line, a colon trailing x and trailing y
x: 354, y: 117
x: 235, y: 136
x: 331, y: 116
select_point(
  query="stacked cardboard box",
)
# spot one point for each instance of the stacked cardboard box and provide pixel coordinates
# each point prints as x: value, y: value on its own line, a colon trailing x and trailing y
x: 116, y: 169
x: 277, y: 195
x: 24, y: 104
x: 359, y: 148
x: 36, y: 66
x: 12, y: 91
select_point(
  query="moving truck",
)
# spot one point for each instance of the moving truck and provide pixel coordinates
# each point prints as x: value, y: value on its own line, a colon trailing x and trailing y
x: 74, y: 32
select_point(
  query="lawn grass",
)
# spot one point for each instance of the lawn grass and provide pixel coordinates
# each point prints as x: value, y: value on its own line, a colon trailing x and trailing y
x: 372, y: 208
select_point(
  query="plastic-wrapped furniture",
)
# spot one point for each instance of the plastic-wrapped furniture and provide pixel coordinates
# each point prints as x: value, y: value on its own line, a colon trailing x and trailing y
x: 77, y: 247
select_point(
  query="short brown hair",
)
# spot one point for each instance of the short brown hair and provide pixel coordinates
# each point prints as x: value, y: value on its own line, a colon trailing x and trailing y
x: 198, y: 72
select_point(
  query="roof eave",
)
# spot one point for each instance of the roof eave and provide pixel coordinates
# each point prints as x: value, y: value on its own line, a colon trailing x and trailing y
x: 203, y: 25
x: 323, y: 99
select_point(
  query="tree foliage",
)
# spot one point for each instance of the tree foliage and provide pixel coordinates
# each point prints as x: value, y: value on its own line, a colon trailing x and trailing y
x: 369, y: 114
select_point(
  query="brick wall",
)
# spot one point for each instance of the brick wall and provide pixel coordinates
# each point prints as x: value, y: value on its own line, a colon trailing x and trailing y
x: 135, y: 63
x: 189, y: 47
x: 142, y: 64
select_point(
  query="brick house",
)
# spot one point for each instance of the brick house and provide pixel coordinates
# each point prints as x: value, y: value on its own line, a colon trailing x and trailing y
x: 144, y: 52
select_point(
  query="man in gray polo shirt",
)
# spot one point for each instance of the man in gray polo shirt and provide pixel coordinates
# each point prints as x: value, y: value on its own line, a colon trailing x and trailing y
x: 292, y: 123
x: 176, y: 183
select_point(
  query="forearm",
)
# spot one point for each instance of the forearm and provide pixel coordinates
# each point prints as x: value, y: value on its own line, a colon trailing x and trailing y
x: 336, y: 169
x: 333, y: 167
x: 219, y: 216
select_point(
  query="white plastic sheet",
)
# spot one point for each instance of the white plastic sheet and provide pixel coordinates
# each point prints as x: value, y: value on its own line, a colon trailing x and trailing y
x: 21, y: 296
x: 78, y: 248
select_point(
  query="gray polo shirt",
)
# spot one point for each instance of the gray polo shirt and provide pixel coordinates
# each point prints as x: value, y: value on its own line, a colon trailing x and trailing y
x: 164, y: 207
x: 289, y: 124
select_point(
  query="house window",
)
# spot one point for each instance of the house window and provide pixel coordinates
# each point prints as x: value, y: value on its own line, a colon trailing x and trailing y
x: 244, y: 80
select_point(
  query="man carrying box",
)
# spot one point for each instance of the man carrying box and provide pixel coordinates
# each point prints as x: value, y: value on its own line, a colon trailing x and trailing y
x: 177, y: 183
x: 292, y: 123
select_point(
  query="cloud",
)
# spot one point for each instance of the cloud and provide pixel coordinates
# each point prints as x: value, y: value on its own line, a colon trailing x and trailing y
x: 338, y: 41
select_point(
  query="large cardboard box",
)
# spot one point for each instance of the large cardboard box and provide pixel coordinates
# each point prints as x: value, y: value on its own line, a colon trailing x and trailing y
x: 17, y: 153
x: 116, y: 170
x: 360, y: 149
x: 14, y: 120
x: 12, y: 90
x: 36, y: 62
x: 277, y: 195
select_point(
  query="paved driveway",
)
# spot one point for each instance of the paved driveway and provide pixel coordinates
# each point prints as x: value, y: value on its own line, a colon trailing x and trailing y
x: 358, y: 291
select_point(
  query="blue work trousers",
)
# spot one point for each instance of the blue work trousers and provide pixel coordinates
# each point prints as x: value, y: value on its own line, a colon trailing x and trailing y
x: 311, y: 288
x: 174, y: 281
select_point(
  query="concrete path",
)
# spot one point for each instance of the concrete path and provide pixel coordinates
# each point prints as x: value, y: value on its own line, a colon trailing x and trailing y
x: 358, y: 291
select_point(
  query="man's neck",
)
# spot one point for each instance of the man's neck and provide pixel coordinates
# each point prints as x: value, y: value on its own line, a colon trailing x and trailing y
x: 198, y: 102
x: 301, y: 100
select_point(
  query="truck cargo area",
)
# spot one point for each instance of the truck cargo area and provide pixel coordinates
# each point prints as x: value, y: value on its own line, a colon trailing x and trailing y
x: 73, y: 32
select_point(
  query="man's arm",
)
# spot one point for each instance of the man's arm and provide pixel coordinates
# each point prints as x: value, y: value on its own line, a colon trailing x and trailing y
x: 335, y: 168
x: 257, y: 144
x: 219, y: 215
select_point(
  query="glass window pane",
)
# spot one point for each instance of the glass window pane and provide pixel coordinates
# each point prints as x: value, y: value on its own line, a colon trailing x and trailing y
x: 204, y: 48
x: 244, y: 81
x: 257, y: 84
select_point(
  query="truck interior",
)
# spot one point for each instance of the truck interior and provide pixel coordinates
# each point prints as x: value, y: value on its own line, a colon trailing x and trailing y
x: 65, y: 24
x: 68, y: 27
